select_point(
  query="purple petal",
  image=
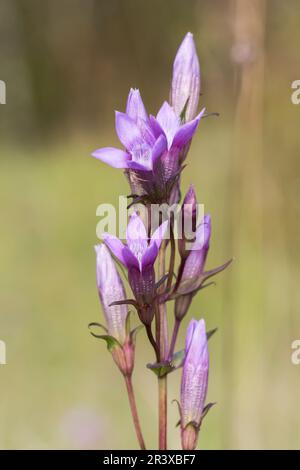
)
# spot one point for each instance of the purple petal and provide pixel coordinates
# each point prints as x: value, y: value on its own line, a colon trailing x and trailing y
x: 146, y: 132
x: 154, y: 245
x: 186, y: 132
x: 195, y: 374
x: 189, y: 334
x: 127, y: 130
x: 169, y: 121
x: 136, y: 236
x: 121, y: 251
x: 190, y: 197
x: 197, y: 344
x: 186, y: 79
x: 156, y: 127
x: 159, y: 234
x: 133, y: 165
x: 158, y: 149
x: 141, y: 155
x: 149, y: 256
x: 203, y: 234
x: 195, y: 262
x: 135, y: 108
x: 114, y: 157
x: 111, y: 288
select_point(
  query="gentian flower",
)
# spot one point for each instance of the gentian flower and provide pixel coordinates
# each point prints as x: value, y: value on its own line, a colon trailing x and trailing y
x: 194, y: 383
x: 139, y: 256
x: 178, y: 135
x: 192, y: 274
x: 111, y: 289
x: 195, y: 261
x: 152, y: 147
x: 120, y: 340
x: 188, y: 221
x: 185, y: 88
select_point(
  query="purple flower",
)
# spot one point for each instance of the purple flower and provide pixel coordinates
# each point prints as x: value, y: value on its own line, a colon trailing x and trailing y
x: 191, y: 270
x: 195, y: 261
x: 194, y: 382
x: 152, y: 147
x: 111, y: 289
x: 185, y: 88
x: 178, y: 137
x: 168, y: 123
x: 139, y: 256
x: 188, y: 221
x: 142, y: 148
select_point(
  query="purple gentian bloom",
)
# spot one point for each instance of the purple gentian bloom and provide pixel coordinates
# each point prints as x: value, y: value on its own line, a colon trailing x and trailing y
x: 152, y: 146
x: 111, y: 289
x: 139, y: 256
x: 188, y: 221
x: 194, y: 382
x: 168, y: 123
x: 142, y: 148
x: 195, y: 261
x: 185, y: 88
x: 191, y: 273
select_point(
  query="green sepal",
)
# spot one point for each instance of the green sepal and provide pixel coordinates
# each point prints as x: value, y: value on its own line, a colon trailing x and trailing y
x: 179, y: 409
x: 160, y: 368
x: 163, y: 368
x: 127, y: 323
x: 194, y: 425
x: 183, y: 112
x: 134, y: 332
x: 209, y: 333
x: 111, y: 342
x: 99, y: 325
x: 206, y: 409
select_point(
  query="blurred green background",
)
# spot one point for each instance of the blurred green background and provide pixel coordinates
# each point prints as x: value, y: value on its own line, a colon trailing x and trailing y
x: 68, y: 65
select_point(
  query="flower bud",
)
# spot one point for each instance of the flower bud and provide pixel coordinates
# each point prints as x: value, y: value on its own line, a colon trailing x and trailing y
x: 111, y: 289
x: 124, y: 357
x: 192, y: 268
x: 188, y: 221
x: 194, y: 383
x: 185, y: 88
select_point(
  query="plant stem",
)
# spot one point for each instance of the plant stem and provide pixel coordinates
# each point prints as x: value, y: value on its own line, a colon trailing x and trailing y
x: 172, y: 259
x: 162, y: 393
x: 162, y: 309
x: 134, y: 412
x: 162, y: 340
x: 152, y: 341
x: 174, y: 337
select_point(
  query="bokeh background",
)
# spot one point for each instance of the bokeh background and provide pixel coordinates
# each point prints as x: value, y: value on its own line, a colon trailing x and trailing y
x: 68, y: 64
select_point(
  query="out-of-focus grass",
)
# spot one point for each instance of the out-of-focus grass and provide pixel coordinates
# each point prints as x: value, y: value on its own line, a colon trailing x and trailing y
x: 60, y: 388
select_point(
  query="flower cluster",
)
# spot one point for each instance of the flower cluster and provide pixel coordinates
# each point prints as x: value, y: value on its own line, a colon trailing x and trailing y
x: 154, y: 149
